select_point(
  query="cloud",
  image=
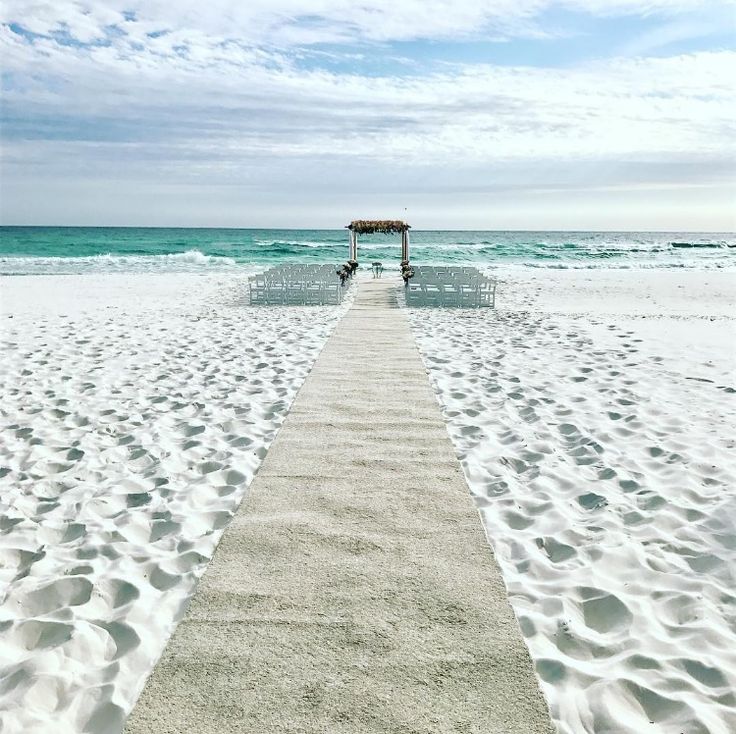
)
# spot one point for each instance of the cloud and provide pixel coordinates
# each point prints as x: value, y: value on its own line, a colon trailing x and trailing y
x: 290, y: 22
x: 219, y: 95
x: 231, y: 99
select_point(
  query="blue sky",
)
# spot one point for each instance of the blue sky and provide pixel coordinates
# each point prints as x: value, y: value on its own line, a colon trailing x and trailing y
x: 529, y: 114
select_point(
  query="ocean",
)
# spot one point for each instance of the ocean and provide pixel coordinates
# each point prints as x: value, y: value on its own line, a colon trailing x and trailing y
x: 70, y: 250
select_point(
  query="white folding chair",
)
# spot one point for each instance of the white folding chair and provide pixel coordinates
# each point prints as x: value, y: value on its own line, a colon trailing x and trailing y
x: 276, y: 293
x: 432, y: 294
x: 413, y: 294
x: 314, y: 295
x: 332, y: 293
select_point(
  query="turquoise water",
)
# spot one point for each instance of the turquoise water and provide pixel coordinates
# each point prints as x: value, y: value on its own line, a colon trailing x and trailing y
x: 60, y: 250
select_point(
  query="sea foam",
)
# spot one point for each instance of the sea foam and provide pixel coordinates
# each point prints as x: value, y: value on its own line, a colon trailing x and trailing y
x: 191, y: 261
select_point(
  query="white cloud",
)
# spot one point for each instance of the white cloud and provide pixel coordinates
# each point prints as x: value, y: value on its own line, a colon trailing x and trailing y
x: 220, y: 97
x: 267, y: 22
x: 249, y: 100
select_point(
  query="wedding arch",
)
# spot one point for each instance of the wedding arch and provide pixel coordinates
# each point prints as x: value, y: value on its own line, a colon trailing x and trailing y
x: 378, y: 226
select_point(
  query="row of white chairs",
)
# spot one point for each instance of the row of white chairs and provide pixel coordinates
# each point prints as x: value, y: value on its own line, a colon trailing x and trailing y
x: 297, y: 285
x: 289, y: 270
x: 457, y: 295
x: 295, y: 293
x: 445, y: 269
x: 459, y: 287
x: 447, y: 274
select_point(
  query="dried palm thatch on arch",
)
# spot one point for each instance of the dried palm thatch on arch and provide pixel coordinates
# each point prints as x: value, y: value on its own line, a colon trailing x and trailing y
x: 378, y: 226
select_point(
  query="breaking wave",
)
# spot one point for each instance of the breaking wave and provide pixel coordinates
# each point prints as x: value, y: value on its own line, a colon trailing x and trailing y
x: 191, y: 261
x: 46, y: 251
x: 686, y: 245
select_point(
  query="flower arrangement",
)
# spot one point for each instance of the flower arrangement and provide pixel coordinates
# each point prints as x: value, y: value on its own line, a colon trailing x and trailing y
x: 407, y: 271
x: 378, y: 226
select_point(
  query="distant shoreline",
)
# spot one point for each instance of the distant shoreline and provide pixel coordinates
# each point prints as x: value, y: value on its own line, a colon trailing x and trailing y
x: 340, y: 229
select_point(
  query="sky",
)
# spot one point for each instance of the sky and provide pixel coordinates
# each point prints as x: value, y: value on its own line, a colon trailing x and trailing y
x: 456, y: 114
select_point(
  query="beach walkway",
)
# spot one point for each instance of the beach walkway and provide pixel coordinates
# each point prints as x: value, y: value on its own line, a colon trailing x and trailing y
x: 354, y: 590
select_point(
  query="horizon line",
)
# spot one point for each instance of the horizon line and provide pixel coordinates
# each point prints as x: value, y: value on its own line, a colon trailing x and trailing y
x: 340, y: 229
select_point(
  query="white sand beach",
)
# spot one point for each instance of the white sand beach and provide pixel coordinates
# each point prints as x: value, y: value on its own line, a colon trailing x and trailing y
x: 135, y: 412
x: 368, y: 367
x: 594, y: 417
x: 592, y: 412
